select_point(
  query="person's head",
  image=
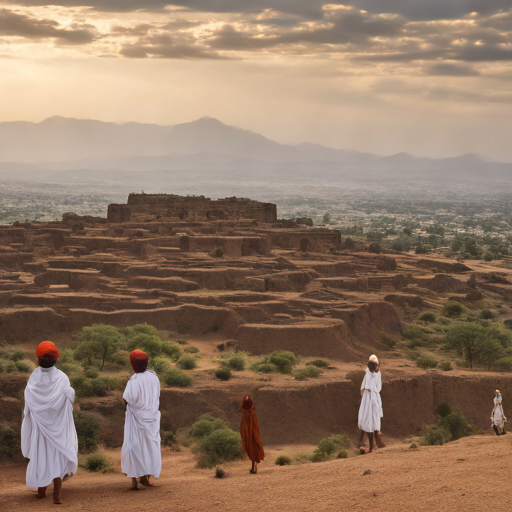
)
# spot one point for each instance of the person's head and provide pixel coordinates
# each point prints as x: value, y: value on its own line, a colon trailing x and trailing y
x: 497, y: 397
x: 247, y: 403
x: 47, y: 354
x: 373, y: 363
x: 139, y: 361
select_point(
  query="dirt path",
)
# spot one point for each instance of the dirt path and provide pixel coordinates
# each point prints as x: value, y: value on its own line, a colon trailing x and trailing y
x: 472, y: 474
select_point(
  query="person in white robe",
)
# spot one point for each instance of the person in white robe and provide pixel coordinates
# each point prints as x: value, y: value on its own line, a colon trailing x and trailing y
x: 141, y: 453
x: 48, y: 435
x: 498, y: 417
x: 370, y: 410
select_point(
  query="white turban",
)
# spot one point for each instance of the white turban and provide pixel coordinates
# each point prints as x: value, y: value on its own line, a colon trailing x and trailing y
x: 374, y: 358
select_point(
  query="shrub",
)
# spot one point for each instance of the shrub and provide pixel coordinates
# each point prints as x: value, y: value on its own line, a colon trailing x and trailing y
x: 88, y: 431
x: 417, y: 336
x: 150, y: 344
x: 134, y: 330
x: 17, y: 355
x: 413, y: 445
x: 236, y: 363
x: 435, y: 435
x: 219, y: 472
x: 171, y: 349
x: 9, y: 442
x: 221, y: 445
x: 452, y: 309
x: 319, y: 363
x: 168, y: 438
x: 70, y: 368
x: 97, y: 462
x: 22, y: 367
x: 426, y: 362
x: 191, y: 350
x: 486, y: 314
x: 11, y: 367
x: 456, y: 423
x: 283, y: 460
x: 264, y: 367
x: 223, y: 373
x: 428, y: 316
x: 307, y: 373
x: 175, y: 378
x: 318, y: 456
x: 444, y: 409
x: 205, y: 425
x: 283, y: 360
x: 504, y: 364
x: 326, y: 446
x: 187, y: 362
x: 329, y: 445
x: 159, y: 365
x: 446, y: 366
x: 342, y: 454
x: 92, y: 373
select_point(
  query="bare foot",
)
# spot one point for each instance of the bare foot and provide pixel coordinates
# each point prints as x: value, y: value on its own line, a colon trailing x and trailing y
x: 134, y: 486
x: 144, y: 480
x: 57, y: 500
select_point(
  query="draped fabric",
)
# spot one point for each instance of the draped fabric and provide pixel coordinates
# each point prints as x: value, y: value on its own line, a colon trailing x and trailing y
x: 141, y: 453
x: 48, y: 435
x: 370, y: 411
x: 250, y: 433
x: 498, y: 416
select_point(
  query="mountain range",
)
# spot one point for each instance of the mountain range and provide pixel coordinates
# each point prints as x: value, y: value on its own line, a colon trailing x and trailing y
x: 65, y: 149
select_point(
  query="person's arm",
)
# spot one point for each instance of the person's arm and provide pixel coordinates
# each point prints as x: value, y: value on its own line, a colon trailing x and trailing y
x: 363, y: 384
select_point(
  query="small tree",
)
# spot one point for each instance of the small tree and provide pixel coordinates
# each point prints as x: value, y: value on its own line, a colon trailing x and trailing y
x: 98, y: 342
x: 489, y: 351
x: 465, y: 338
x: 327, y: 218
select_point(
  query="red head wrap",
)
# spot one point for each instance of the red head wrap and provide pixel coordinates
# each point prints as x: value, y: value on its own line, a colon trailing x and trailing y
x: 47, y: 348
x: 247, y: 403
x: 139, y: 361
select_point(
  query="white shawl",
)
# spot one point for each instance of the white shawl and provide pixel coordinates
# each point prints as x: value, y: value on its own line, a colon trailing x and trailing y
x: 141, y: 453
x: 370, y: 411
x: 48, y: 435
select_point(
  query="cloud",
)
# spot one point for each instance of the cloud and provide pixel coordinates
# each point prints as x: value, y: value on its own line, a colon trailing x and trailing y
x: 167, y: 47
x: 13, y: 24
x: 449, y: 69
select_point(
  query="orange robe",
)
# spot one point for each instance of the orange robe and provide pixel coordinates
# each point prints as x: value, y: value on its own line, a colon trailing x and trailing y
x: 250, y: 432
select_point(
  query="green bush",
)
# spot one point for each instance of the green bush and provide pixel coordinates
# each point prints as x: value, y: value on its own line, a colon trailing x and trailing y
x: 70, y: 368
x: 428, y: 316
x: 329, y: 445
x: 342, y: 454
x: 191, y: 350
x: 435, y: 435
x: 159, y: 365
x: 416, y: 335
x: 171, y: 349
x: 456, y: 423
x: 98, y: 343
x: 168, y: 438
x: 223, y: 373
x: 236, y: 363
x: 17, y: 355
x: 326, y: 446
x: 22, y: 367
x: 426, y: 362
x: 219, y: 472
x: 264, y: 367
x: 444, y: 410
x: 9, y: 443
x: 452, y: 309
x: 205, y: 425
x: 504, y: 364
x: 97, y: 462
x: 283, y: 460
x: 92, y: 373
x: 150, y: 344
x: 175, y: 378
x: 11, y: 367
x: 134, y: 330
x: 307, y: 373
x: 319, y: 363
x: 283, y: 360
x: 486, y: 314
x: 221, y: 445
x: 187, y: 362
x: 93, y: 387
x: 446, y: 366
x: 413, y: 445
x: 88, y: 428
x: 319, y: 456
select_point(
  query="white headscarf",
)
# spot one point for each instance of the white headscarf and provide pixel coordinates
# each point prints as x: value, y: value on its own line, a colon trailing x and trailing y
x: 497, y: 398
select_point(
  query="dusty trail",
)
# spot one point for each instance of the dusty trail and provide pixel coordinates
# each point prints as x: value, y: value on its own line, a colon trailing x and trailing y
x: 470, y: 475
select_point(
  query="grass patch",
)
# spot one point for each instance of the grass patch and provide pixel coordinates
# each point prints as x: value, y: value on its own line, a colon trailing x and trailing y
x: 446, y: 366
x: 428, y: 316
x: 187, y: 362
x: 309, y: 372
x: 319, y: 363
x: 236, y: 363
x: 425, y: 362
x: 223, y: 373
x: 280, y: 361
x: 283, y: 460
x: 191, y: 350
x: 175, y: 378
x: 328, y: 446
x: 97, y: 463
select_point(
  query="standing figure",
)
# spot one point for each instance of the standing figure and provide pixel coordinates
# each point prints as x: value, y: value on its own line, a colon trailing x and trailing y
x: 250, y: 432
x: 498, y: 416
x: 141, y: 456
x: 370, y: 411
x: 48, y: 435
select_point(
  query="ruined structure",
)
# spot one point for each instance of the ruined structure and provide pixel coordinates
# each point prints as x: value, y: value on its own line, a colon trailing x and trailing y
x: 144, y: 207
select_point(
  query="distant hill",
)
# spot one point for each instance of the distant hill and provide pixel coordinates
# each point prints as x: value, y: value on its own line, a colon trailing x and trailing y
x: 65, y: 149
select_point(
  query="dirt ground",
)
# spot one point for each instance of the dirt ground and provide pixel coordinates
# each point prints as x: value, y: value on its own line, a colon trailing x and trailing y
x: 470, y: 475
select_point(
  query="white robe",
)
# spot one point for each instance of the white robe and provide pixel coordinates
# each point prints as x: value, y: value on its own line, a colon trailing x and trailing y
x: 48, y: 435
x: 141, y: 453
x: 498, y: 416
x: 370, y: 411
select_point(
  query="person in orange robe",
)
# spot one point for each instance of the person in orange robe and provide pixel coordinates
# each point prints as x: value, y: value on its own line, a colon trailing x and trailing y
x: 250, y: 432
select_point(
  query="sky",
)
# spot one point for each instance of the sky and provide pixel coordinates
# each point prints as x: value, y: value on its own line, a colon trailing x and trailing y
x: 428, y: 77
